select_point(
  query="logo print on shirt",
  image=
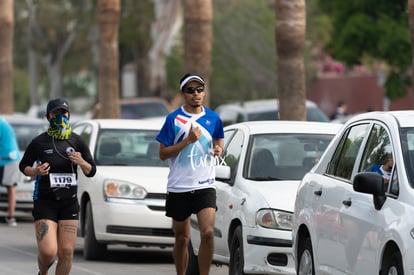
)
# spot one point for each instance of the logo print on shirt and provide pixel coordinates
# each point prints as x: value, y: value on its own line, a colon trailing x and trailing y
x: 205, y: 160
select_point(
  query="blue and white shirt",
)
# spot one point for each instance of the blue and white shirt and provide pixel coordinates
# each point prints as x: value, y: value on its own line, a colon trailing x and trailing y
x: 193, y: 167
x: 378, y: 169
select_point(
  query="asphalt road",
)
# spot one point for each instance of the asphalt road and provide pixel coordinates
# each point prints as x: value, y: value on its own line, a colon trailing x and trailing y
x: 18, y: 254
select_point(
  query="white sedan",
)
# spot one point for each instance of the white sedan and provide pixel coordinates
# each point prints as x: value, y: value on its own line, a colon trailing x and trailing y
x: 124, y: 203
x: 26, y: 128
x: 354, y: 211
x: 256, y: 182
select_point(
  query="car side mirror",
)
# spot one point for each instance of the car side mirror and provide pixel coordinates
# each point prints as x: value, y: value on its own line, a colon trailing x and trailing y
x: 223, y: 172
x: 371, y: 183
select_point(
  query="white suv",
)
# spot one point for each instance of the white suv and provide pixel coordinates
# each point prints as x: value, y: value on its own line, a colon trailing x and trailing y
x: 349, y: 219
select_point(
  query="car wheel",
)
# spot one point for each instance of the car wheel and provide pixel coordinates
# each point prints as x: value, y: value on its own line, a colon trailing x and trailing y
x: 306, y: 265
x: 394, y: 266
x: 236, y: 253
x: 192, y: 268
x: 92, y: 249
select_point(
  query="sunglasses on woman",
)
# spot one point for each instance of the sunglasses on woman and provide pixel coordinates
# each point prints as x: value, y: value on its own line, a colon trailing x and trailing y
x: 192, y: 90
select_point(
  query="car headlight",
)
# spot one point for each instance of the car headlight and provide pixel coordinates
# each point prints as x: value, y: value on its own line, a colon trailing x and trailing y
x: 275, y: 219
x: 123, y: 190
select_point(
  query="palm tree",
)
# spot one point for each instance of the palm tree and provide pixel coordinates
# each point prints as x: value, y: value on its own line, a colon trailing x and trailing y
x: 290, y: 42
x: 6, y: 54
x: 198, y: 37
x: 108, y: 15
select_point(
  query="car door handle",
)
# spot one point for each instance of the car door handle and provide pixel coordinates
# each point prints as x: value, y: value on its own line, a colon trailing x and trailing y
x: 347, y: 202
x: 318, y: 192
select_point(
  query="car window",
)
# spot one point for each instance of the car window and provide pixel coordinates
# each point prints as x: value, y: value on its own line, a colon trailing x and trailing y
x: 240, y: 118
x: 343, y: 160
x: 407, y: 145
x: 284, y: 156
x: 377, y: 151
x: 128, y: 148
x: 394, y: 187
x: 377, y: 148
x: 26, y: 132
x: 234, y: 144
x: 86, y: 134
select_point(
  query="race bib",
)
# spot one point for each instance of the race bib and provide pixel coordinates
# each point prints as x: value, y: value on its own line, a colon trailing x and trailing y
x: 62, y: 179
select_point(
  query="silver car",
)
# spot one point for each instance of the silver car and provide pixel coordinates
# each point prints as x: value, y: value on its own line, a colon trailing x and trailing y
x: 353, y: 211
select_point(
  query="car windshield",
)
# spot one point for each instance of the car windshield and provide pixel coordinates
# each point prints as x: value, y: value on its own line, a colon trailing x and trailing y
x: 26, y: 132
x: 143, y: 110
x: 128, y: 148
x: 284, y: 156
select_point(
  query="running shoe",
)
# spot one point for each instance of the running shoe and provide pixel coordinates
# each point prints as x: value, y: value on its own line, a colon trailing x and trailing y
x: 11, y: 221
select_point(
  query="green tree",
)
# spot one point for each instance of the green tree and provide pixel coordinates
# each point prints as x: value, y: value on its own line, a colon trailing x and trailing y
x: 53, y: 41
x: 244, y: 56
x: 375, y: 29
x: 21, y: 90
x: 135, y: 40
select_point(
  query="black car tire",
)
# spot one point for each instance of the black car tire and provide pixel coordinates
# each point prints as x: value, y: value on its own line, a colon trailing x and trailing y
x: 236, y: 253
x: 92, y: 249
x: 394, y: 266
x: 306, y: 265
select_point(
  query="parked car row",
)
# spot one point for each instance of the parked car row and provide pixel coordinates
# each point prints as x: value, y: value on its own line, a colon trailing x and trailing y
x: 131, y: 182
x: 289, y: 194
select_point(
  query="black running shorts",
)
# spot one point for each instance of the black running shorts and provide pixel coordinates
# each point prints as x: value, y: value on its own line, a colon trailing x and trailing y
x: 180, y: 206
x: 56, y: 210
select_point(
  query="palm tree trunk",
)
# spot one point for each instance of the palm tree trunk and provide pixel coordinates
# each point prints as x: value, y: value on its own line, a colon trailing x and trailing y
x: 198, y: 38
x: 290, y: 43
x: 109, y: 13
x: 6, y: 57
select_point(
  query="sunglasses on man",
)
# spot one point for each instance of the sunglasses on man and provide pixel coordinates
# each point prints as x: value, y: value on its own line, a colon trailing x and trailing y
x: 192, y: 90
